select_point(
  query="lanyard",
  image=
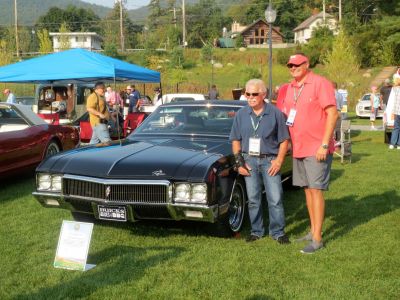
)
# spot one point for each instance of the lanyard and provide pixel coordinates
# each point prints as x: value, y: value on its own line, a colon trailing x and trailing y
x: 296, y: 97
x: 255, y: 127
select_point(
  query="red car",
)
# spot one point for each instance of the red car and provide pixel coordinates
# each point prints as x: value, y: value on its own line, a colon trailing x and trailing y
x: 26, y: 139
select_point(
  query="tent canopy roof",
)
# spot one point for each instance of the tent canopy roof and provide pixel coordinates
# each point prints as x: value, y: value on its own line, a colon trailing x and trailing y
x: 76, y: 66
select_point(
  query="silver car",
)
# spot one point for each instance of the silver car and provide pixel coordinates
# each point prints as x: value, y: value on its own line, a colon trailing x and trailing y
x: 363, y: 107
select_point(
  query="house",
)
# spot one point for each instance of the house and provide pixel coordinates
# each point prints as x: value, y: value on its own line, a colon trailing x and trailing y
x: 256, y: 35
x: 86, y: 40
x: 303, y: 32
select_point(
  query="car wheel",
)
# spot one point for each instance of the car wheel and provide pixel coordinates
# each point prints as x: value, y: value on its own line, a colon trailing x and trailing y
x: 52, y: 149
x: 82, y: 217
x: 232, y: 221
x: 237, y: 207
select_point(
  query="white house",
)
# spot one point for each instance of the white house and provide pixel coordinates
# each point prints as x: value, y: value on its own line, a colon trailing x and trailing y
x: 85, y: 40
x: 303, y: 32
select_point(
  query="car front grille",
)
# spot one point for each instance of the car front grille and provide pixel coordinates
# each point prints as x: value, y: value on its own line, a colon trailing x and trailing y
x: 126, y: 192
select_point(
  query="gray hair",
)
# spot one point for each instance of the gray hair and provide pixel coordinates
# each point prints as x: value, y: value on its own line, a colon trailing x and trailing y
x: 258, y: 83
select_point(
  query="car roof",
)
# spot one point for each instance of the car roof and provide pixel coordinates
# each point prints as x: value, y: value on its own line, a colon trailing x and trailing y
x: 207, y: 102
x: 26, y: 112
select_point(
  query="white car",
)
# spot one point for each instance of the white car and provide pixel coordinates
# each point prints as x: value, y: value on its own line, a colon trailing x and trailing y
x: 363, y: 107
x: 167, y: 98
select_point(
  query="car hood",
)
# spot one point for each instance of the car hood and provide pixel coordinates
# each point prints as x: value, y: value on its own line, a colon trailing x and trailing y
x: 141, y: 159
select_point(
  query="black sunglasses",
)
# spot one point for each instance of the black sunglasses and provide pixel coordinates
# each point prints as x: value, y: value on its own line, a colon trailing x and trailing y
x: 293, y: 65
x: 252, y: 94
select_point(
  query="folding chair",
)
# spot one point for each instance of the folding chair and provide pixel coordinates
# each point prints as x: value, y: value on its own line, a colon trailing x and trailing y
x: 132, y: 121
x: 345, y: 141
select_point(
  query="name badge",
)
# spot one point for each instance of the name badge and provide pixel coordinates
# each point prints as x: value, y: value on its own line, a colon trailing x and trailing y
x: 290, y: 119
x: 254, y: 146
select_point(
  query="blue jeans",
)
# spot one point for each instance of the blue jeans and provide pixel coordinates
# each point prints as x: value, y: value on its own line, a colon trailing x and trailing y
x: 273, y: 188
x: 100, y: 134
x: 395, y: 139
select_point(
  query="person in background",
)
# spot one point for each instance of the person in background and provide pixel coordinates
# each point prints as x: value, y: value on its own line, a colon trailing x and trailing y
x: 310, y: 107
x: 134, y: 97
x: 242, y: 95
x: 157, y: 95
x: 375, y: 103
x: 213, y: 94
x: 10, y: 96
x: 385, y: 92
x: 98, y: 113
x: 339, y: 106
x: 394, y: 102
x: 344, y: 93
x: 259, y: 142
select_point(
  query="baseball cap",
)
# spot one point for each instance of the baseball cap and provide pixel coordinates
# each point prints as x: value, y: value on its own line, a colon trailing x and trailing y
x: 128, y: 87
x: 297, y: 59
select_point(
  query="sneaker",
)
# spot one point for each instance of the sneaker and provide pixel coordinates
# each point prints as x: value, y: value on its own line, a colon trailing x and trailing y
x: 312, y: 247
x: 398, y: 147
x: 391, y: 147
x: 373, y: 128
x: 252, y: 238
x: 307, y: 237
x: 284, y: 239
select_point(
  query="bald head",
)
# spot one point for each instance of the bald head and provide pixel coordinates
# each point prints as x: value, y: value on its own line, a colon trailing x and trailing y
x: 6, y: 92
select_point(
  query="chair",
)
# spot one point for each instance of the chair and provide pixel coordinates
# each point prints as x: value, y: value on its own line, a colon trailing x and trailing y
x: 132, y: 121
x: 345, y: 141
x: 53, y: 119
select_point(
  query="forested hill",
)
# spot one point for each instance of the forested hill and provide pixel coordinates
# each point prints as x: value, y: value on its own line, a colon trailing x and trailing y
x: 30, y: 10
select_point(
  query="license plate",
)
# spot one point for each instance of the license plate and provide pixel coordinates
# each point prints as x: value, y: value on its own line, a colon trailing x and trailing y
x: 114, y: 213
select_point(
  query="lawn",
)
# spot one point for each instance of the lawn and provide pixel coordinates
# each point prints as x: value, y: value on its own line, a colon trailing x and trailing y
x: 162, y: 260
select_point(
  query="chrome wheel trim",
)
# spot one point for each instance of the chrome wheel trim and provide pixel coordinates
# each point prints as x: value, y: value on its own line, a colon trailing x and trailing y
x: 237, y: 208
x: 52, y: 149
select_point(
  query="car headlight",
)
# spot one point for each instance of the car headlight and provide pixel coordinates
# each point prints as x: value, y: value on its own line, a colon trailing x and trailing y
x: 199, y: 193
x: 191, y: 192
x: 43, y: 182
x: 48, y: 182
x: 182, y: 192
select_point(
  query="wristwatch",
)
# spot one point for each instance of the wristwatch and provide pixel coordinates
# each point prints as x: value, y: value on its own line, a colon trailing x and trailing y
x: 324, y: 146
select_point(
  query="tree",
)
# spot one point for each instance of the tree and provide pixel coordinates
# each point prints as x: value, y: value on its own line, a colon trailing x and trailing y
x: 6, y: 55
x: 64, y: 38
x: 44, y: 41
x: 341, y: 62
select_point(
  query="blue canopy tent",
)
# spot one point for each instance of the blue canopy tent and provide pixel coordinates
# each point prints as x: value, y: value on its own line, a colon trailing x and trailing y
x: 76, y: 66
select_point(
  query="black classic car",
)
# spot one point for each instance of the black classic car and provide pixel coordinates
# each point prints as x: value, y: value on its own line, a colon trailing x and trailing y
x: 177, y: 165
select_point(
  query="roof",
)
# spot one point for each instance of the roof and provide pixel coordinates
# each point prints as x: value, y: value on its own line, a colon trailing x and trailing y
x: 262, y: 20
x: 72, y: 33
x: 305, y: 24
x: 76, y: 66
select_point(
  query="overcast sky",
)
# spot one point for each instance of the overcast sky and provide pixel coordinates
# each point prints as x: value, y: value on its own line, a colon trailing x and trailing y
x: 130, y: 4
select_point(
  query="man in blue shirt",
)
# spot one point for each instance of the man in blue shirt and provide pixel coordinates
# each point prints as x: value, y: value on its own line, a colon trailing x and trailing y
x: 134, y: 97
x: 260, y: 139
x: 10, y: 96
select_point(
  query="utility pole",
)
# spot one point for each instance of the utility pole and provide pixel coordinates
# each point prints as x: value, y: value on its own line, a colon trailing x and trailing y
x: 174, y: 10
x: 16, y: 27
x: 340, y: 11
x: 121, y: 25
x: 323, y: 11
x: 183, y: 24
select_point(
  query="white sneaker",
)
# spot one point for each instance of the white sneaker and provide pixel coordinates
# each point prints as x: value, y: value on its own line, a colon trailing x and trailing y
x: 398, y: 147
x: 391, y: 147
x: 373, y: 128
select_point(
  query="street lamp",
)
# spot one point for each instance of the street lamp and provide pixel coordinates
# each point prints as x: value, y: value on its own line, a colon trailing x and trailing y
x: 270, y: 16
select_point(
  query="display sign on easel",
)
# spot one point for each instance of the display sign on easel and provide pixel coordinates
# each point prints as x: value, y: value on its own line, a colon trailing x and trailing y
x: 73, y: 246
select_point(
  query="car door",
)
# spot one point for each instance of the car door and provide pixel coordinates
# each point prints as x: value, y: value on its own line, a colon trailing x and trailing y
x: 21, y: 143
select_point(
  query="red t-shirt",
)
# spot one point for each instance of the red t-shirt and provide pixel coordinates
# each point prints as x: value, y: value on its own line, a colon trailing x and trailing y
x: 308, y: 128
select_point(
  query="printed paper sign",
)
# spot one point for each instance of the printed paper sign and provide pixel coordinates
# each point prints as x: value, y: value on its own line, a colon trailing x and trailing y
x: 73, y: 245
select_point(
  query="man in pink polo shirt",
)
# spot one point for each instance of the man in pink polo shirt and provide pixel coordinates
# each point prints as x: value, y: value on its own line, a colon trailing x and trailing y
x: 310, y: 107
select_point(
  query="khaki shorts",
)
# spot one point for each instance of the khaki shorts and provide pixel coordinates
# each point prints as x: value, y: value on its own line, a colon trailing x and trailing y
x: 308, y: 172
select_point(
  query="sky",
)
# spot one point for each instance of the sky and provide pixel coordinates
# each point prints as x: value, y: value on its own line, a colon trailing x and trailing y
x: 130, y: 4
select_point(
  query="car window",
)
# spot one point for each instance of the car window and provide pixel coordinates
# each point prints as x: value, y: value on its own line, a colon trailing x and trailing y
x: 176, y: 99
x: 9, y: 116
x: 202, y: 119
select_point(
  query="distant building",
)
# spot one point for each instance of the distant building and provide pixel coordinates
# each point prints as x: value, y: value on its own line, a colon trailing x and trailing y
x: 303, y: 32
x: 256, y: 35
x: 86, y: 40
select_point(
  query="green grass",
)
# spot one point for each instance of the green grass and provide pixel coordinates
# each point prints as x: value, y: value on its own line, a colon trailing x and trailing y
x: 165, y: 260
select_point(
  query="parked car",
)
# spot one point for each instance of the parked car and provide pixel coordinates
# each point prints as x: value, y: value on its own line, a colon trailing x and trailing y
x: 363, y: 107
x: 177, y: 165
x: 26, y: 139
x: 149, y: 107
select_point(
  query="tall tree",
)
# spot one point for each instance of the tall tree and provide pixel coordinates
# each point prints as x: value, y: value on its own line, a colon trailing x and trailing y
x: 64, y: 38
x: 44, y: 41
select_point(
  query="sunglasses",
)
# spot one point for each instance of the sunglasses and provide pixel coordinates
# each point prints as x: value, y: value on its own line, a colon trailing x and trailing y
x: 293, y: 65
x: 252, y: 94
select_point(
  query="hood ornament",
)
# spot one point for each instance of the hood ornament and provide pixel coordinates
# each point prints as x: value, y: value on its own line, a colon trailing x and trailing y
x: 158, y: 173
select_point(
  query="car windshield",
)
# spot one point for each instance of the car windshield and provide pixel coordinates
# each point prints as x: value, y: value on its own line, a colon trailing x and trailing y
x: 189, y: 120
